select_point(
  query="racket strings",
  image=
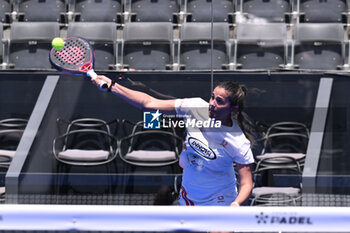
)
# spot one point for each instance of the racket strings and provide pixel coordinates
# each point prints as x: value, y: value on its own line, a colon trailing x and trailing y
x: 73, y: 52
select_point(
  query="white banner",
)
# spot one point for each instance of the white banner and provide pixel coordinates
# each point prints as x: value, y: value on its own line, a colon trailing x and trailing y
x: 174, y: 218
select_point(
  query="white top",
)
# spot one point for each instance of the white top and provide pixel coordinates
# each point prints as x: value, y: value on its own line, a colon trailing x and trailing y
x: 208, y: 160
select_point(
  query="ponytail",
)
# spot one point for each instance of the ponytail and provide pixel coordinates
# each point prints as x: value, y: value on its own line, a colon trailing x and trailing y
x: 237, y: 98
x: 244, y: 124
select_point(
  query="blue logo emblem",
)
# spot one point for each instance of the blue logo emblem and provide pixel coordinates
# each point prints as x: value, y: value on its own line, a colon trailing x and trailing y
x: 151, y: 120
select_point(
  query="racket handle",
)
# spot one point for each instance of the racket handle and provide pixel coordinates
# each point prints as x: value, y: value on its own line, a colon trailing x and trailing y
x: 93, y: 75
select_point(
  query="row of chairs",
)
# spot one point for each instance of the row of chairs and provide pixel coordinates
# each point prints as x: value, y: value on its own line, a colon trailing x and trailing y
x: 176, y: 11
x: 277, y: 171
x: 283, y: 154
x: 157, y: 46
x: 91, y: 142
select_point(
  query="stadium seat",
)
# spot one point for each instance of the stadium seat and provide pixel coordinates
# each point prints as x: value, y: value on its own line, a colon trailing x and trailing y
x: 11, y: 131
x: 317, y: 11
x: 271, y: 10
x: 319, y: 46
x: 97, y: 10
x: 99, y: 146
x: 102, y: 36
x: 195, y: 46
x: 283, y: 154
x: 153, y: 152
x: 150, y: 147
x: 29, y: 44
x: 260, y: 46
x: 200, y: 10
x: 43, y: 10
x: 5, y: 11
x: 285, y: 139
x: 154, y: 10
x: 86, y: 142
x: 286, y: 187
x: 148, y: 46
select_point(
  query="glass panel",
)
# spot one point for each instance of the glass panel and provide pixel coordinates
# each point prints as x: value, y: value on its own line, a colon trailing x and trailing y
x: 333, y: 169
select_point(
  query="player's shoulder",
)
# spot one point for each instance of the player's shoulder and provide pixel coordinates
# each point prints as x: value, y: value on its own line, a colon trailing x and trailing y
x: 237, y: 139
x: 191, y: 102
x: 239, y: 147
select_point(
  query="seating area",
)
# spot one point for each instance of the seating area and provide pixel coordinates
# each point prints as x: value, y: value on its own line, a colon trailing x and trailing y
x: 85, y: 143
x: 91, y: 147
x: 255, y: 37
x: 175, y: 11
x: 127, y: 160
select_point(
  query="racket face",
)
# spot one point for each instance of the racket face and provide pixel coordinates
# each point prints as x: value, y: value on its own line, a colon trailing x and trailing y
x: 76, y: 57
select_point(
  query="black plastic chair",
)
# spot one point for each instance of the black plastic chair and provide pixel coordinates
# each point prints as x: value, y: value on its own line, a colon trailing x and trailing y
x: 283, y: 154
x: 285, y: 169
x: 86, y: 143
x: 154, y: 10
x: 200, y: 10
x: 96, y: 10
x: 41, y: 11
x: 103, y: 39
x: 29, y: 45
x: 148, y: 151
x: 147, y: 46
x: 149, y: 147
x: 286, y: 139
x: 318, y: 46
x: 260, y: 46
x: 316, y: 11
x: 5, y: 11
x: 11, y: 131
x: 272, y: 10
x: 195, y: 50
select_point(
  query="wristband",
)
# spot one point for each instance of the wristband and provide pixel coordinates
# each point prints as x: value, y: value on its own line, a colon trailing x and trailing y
x: 236, y: 203
x: 110, y: 86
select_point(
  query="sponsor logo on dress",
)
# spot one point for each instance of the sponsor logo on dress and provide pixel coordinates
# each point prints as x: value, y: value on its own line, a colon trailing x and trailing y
x: 201, y: 148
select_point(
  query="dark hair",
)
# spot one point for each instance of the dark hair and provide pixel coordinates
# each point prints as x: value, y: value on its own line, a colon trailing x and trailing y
x: 237, y: 98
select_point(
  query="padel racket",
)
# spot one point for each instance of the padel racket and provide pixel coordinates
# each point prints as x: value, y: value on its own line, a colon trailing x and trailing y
x: 75, y: 58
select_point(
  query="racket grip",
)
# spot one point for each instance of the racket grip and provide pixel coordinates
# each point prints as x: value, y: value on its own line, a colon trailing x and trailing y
x: 93, y: 75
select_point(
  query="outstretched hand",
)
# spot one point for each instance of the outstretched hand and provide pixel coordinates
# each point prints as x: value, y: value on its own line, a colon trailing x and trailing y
x: 99, y: 80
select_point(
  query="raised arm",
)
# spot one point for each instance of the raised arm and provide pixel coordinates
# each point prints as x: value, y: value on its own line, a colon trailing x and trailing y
x: 138, y: 99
